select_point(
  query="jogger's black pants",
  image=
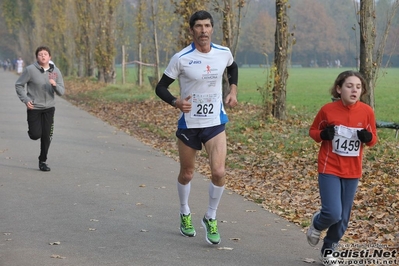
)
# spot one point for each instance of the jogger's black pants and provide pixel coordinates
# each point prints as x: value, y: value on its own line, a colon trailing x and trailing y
x: 40, y: 126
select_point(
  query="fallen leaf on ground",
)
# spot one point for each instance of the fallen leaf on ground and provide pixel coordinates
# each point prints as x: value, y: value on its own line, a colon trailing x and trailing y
x: 308, y: 260
x: 271, y: 171
x: 225, y: 248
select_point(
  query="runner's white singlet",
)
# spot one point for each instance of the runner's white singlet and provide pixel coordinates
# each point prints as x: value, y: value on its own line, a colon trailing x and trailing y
x: 200, y: 75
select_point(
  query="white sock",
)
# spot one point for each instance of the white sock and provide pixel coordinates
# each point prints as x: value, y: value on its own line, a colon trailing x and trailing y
x: 215, y: 194
x: 184, y: 193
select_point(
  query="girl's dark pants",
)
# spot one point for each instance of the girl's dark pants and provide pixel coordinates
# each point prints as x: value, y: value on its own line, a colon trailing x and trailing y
x: 40, y: 126
x: 337, y: 195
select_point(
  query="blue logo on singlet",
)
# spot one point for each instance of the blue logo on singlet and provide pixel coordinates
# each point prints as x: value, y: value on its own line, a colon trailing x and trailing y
x: 194, y: 62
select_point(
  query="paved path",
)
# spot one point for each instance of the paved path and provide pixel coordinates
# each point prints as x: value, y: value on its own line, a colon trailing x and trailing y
x: 111, y: 200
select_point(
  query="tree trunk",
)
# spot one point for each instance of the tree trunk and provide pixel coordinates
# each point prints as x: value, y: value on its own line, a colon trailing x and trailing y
x: 231, y: 29
x: 105, y: 47
x: 154, y: 22
x: 123, y: 65
x: 227, y: 40
x: 140, y: 33
x: 280, y: 61
x: 367, y: 42
x: 140, y: 68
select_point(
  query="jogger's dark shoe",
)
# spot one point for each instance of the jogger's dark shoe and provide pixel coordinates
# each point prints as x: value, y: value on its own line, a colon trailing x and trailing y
x: 44, y: 167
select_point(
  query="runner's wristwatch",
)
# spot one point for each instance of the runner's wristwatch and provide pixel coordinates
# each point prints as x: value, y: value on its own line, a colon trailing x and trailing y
x: 174, y: 102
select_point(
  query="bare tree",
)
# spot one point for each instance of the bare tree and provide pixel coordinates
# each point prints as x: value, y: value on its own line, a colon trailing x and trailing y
x: 105, y: 50
x: 231, y: 16
x: 51, y: 27
x: 280, y: 61
x: 367, y: 41
x: 184, y: 9
x: 85, y: 38
x: 140, y: 24
x: 20, y: 21
x: 155, y: 36
x: 370, y: 62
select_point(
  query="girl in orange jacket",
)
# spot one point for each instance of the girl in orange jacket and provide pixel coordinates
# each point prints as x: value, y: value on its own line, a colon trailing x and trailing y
x: 343, y: 127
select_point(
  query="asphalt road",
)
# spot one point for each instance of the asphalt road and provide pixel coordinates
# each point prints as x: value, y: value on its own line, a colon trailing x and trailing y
x: 111, y: 200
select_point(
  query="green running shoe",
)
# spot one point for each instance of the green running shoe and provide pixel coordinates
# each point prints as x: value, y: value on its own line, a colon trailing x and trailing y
x: 212, y: 235
x: 186, y: 225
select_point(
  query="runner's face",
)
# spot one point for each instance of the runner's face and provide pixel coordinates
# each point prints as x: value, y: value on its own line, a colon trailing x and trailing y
x: 350, y: 90
x: 43, y: 57
x: 202, y: 32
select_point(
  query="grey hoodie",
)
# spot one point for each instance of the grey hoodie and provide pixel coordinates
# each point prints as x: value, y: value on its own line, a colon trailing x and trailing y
x: 39, y: 89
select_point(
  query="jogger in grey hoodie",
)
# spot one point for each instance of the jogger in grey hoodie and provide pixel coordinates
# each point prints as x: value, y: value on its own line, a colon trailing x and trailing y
x: 43, y: 80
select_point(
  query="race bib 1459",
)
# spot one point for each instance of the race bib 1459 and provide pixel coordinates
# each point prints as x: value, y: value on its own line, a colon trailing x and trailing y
x: 346, y: 142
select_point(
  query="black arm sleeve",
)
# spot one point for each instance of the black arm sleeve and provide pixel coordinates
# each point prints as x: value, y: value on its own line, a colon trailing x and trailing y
x: 162, y: 89
x: 232, y: 73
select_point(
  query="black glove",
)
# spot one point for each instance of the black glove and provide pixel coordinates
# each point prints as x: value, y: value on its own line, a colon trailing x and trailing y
x: 328, y: 133
x: 364, y: 135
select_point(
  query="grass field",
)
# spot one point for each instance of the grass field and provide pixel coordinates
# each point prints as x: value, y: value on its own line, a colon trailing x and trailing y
x: 307, y: 89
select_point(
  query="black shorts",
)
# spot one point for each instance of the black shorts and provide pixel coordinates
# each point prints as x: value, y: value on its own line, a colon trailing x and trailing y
x: 194, y: 137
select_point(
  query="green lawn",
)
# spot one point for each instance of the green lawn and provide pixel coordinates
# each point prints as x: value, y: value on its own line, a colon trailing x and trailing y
x: 307, y: 89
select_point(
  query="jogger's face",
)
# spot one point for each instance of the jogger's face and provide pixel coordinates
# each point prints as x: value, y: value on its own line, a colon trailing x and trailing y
x: 43, y: 57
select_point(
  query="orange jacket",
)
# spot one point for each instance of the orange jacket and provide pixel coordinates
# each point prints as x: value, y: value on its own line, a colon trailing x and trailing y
x: 358, y: 115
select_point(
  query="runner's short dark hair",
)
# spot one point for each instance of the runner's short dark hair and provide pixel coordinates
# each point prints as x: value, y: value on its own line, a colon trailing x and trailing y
x: 200, y: 15
x: 42, y: 48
